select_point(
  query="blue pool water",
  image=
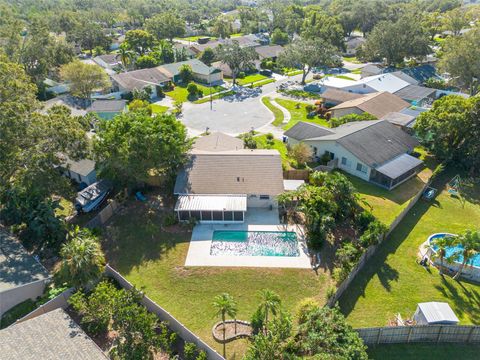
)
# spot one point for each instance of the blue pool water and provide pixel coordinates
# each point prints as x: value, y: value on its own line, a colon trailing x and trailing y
x: 254, y: 243
x: 475, y: 261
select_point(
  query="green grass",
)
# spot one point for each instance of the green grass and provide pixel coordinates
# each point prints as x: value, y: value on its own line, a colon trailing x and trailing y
x: 195, y: 38
x: 344, y: 77
x: 424, y: 351
x: 356, y: 71
x: 214, y: 97
x: 66, y: 208
x: 352, y: 59
x: 17, y: 312
x: 392, y: 282
x: 180, y: 92
x: 247, y: 80
x: 158, y: 109
x: 263, y: 143
x: 236, y: 35
x: 386, y: 205
x: 299, y: 114
x: 276, y: 111
x: 154, y: 261
x: 294, y: 72
x: 263, y: 82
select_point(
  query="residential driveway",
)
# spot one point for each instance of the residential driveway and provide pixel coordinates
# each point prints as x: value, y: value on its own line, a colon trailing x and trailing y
x: 231, y: 116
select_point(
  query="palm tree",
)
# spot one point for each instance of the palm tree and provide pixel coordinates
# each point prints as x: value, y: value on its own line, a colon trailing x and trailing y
x: 441, y: 244
x: 225, y: 305
x: 125, y: 55
x: 470, y: 243
x: 270, y: 303
x: 82, y: 258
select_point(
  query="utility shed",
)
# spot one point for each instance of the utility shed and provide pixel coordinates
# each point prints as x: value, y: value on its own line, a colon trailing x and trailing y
x: 435, y: 313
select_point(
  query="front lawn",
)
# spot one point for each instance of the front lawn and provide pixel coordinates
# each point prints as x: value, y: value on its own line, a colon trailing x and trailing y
x: 158, y: 109
x: 299, y: 114
x: 247, y: 80
x: 424, y: 351
x: 153, y: 260
x: 180, y: 93
x: 392, y: 282
x: 352, y: 59
x: 275, y: 110
x: 264, y: 143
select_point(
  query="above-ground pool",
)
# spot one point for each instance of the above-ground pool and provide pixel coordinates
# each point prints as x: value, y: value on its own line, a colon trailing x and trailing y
x: 254, y: 243
x: 474, y: 261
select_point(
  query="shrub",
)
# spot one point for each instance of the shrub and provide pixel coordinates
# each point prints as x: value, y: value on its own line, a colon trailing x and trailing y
x: 257, y: 321
x: 241, y: 75
x: 202, y: 355
x: 170, y: 219
x: 140, y: 105
x: 192, y: 89
x: 301, y: 153
x: 363, y: 219
x: 331, y: 290
x: 190, y: 351
x: 373, y: 234
x: 309, y: 108
x: 186, y: 73
x: 306, y: 306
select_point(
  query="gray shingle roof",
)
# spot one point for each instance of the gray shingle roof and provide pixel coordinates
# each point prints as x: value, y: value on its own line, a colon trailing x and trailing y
x: 110, y: 59
x: 304, y: 130
x: 415, y: 92
x: 398, y: 118
x: 17, y: 267
x: 197, y: 66
x: 51, y: 336
x: 216, y: 142
x: 232, y: 172
x: 108, y: 105
x: 378, y: 104
x: 405, y: 77
x: 83, y: 167
x: 138, y: 79
x: 339, y: 96
x: 269, y: 51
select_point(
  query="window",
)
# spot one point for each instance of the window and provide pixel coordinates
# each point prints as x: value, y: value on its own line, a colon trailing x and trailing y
x: 238, y: 215
x: 315, y: 150
x: 264, y: 197
x: 344, y: 160
x: 184, y: 215
x: 228, y: 216
x: 362, y: 168
x: 218, y: 215
x: 206, y: 215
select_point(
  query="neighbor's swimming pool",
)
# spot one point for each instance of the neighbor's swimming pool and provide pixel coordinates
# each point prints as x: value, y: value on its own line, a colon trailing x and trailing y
x: 474, y: 261
x: 254, y: 243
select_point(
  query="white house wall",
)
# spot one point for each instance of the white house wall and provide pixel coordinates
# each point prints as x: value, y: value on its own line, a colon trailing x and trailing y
x: 359, y: 89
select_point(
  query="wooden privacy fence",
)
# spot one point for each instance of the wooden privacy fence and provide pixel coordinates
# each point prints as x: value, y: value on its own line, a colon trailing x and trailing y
x: 164, y: 315
x: 372, y: 249
x: 104, y: 215
x: 420, y: 333
x: 296, y: 174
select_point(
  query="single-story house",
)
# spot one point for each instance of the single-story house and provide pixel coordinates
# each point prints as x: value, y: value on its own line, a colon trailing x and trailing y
x: 269, y: 51
x: 417, y: 95
x: 53, y: 336
x: 375, y: 150
x: 371, y: 70
x: 221, y: 180
x: 332, y: 96
x: 378, y: 104
x: 108, y: 109
x: 108, y: 61
x: 201, y: 72
x: 22, y: 277
x: 435, y: 313
x: 186, y: 49
x: 55, y: 87
x: 251, y: 40
x: 81, y: 171
x: 140, y: 79
x: 352, y: 44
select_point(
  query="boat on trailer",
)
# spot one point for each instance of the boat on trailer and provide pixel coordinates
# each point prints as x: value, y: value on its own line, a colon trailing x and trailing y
x: 92, y: 196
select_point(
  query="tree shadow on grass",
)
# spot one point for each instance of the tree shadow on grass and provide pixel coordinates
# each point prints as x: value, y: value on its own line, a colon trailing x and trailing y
x: 460, y: 298
x: 136, y: 235
x: 377, y: 264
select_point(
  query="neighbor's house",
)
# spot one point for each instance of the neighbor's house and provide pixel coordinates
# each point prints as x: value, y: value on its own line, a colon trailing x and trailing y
x: 53, y: 336
x: 401, y: 120
x: 201, y: 72
x: 375, y: 151
x: 332, y: 96
x: 140, y: 80
x: 251, y: 40
x: 55, y: 87
x: 221, y: 180
x: 81, y: 171
x: 352, y: 44
x: 21, y: 276
x: 185, y: 49
x: 378, y: 104
x: 270, y: 52
x: 108, y: 109
x: 108, y: 62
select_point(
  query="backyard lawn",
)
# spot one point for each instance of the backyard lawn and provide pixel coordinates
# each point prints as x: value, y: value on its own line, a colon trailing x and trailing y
x: 275, y: 110
x: 299, y: 114
x: 392, y: 282
x: 180, y: 92
x: 263, y: 143
x: 153, y: 259
x: 424, y: 352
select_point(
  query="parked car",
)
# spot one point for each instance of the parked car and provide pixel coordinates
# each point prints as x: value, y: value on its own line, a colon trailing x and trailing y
x: 91, y: 197
x: 266, y: 72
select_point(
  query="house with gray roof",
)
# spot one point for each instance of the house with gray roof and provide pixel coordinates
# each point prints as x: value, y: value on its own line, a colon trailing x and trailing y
x: 81, y: 171
x: 140, y: 80
x: 222, y: 180
x: 375, y: 151
x: 107, y: 109
x: 22, y: 277
x: 51, y: 336
x: 201, y: 72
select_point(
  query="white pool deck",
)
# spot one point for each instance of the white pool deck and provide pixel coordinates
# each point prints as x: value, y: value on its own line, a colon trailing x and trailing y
x: 257, y: 220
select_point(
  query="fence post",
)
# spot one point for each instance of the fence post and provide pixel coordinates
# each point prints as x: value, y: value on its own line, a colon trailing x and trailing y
x: 439, y: 333
x: 409, y: 333
x: 379, y: 335
x: 470, y: 334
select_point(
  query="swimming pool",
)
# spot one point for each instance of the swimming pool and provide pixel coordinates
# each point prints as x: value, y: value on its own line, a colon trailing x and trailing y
x: 474, y: 261
x: 254, y: 243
